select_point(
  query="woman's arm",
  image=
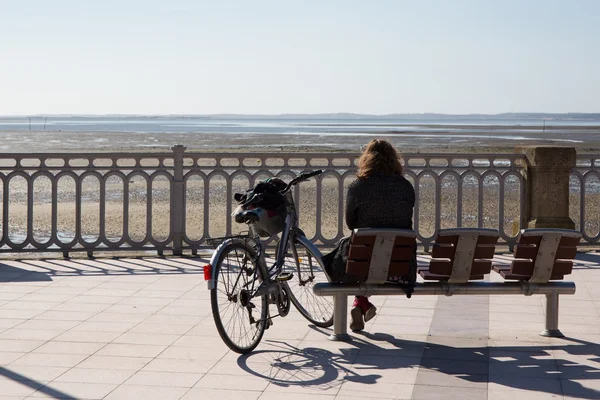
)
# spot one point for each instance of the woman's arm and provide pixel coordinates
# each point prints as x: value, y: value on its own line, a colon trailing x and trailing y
x: 351, y: 208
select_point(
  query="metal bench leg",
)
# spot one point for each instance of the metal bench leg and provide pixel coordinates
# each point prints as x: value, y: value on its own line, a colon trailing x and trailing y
x: 340, y: 318
x: 552, y: 316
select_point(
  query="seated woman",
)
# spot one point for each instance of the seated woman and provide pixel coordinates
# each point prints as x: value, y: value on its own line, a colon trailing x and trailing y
x: 380, y: 197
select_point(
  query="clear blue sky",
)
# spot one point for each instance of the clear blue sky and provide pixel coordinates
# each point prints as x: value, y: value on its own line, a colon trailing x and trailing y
x: 284, y: 56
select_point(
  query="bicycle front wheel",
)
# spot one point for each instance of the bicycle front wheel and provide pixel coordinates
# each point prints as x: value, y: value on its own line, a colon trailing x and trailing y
x: 240, y: 318
x: 307, y: 271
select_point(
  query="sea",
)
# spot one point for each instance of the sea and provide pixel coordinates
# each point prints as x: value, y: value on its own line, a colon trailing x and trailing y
x: 320, y: 130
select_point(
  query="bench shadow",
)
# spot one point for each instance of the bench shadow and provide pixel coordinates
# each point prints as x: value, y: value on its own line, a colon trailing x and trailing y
x: 537, y: 368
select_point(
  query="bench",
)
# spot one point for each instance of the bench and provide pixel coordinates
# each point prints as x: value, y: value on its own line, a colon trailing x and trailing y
x: 460, y: 260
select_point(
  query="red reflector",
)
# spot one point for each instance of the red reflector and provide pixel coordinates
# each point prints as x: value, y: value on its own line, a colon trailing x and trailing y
x: 207, y: 272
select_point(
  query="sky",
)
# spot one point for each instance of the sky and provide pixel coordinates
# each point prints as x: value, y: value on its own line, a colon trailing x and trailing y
x: 287, y: 56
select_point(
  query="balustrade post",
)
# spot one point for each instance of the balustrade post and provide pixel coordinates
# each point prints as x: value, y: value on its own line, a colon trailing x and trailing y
x: 547, y: 201
x: 178, y: 200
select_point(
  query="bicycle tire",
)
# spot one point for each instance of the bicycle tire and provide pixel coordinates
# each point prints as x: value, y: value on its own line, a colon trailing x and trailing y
x: 316, y: 309
x: 234, y: 258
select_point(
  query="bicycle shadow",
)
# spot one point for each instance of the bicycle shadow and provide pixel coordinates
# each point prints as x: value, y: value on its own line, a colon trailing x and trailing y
x: 552, y: 369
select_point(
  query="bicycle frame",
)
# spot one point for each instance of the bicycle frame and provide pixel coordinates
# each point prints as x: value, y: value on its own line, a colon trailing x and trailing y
x: 289, y: 233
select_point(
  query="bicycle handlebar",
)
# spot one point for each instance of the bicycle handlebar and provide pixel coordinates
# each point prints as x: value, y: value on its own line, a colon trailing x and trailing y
x: 300, y: 178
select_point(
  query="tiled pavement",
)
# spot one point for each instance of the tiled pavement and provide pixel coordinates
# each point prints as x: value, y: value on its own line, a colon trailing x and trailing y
x: 142, y: 329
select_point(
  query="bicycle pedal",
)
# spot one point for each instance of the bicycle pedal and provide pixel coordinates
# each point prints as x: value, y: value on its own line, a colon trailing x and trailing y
x: 285, y: 276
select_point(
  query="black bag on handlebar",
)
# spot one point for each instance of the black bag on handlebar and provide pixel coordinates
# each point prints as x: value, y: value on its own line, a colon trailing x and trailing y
x: 272, y: 203
x: 272, y: 199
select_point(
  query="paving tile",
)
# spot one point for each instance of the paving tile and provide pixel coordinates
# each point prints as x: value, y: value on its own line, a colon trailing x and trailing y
x: 37, y: 324
x: 8, y: 357
x: 523, y: 368
x: 512, y: 394
x: 221, y: 394
x: 7, y: 323
x: 212, y: 381
x: 47, y: 298
x: 77, y: 306
x: 426, y: 392
x: 161, y: 329
x: 167, y: 379
x: 106, y: 316
x: 198, y: 341
x: 16, y: 345
x: 110, y: 293
x: 152, y: 301
x: 297, y: 385
x: 175, y: 365
x: 105, y: 326
x: 88, y: 336
x: 94, y: 375
x: 50, y: 360
x: 74, y: 390
x: 29, y: 305
x: 111, y: 362
x: 18, y: 314
x: 42, y: 374
x: 525, y: 383
x: 30, y: 334
x: 9, y: 296
x: 136, y: 392
x: 65, y: 315
x: 193, y: 353
x: 300, y: 396
x: 14, y: 287
x: 146, y: 338
x: 131, y: 350
x: 379, y: 390
x: 95, y: 299
x: 12, y: 387
x: 58, y: 347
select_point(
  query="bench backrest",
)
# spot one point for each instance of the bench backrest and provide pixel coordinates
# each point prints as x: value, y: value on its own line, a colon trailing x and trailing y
x: 463, y: 253
x: 545, y: 254
x: 376, y: 254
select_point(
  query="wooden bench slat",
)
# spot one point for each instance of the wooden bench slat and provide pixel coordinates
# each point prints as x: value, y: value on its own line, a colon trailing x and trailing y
x: 443, y: 250
x: 364, y: 240
x: 402, y: 253
x: 485, y: 251
x: 360, y: 252
x: 528, y: 251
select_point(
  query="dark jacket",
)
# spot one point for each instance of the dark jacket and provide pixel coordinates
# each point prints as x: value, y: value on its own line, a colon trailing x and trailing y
x: 379, y: 201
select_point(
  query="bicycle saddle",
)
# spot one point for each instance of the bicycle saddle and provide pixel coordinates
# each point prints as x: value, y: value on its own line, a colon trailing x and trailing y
x: 246, y: 216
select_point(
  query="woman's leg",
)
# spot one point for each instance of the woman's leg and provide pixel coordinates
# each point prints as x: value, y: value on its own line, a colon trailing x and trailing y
x: 362, y: 311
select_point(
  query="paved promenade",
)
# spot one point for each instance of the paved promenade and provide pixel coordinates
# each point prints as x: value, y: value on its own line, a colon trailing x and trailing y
x: 141, y: 328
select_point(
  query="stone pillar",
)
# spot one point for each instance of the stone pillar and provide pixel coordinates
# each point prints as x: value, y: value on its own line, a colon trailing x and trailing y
x: 548, y: 185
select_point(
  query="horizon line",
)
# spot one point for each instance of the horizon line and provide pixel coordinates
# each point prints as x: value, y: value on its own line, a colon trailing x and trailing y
x: 425, y: 114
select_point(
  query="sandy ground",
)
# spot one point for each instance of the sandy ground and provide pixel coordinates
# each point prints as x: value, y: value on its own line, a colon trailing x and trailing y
x: 449, y: 138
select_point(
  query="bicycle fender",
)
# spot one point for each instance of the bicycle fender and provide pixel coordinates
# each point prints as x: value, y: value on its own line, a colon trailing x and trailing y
x: 215, y: 258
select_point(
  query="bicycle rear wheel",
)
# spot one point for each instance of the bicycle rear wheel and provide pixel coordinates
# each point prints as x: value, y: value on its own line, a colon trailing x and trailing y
x: 307, y: 271
x: 240, y: 318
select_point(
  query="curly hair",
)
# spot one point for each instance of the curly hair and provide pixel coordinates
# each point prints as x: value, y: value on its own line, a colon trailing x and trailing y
x: 379, y: 156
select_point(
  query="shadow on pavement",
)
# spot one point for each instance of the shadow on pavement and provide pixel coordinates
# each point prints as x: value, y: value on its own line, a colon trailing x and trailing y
x: 526, y: 367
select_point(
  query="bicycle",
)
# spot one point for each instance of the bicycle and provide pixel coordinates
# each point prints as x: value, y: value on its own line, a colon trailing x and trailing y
x: 242, y: 284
